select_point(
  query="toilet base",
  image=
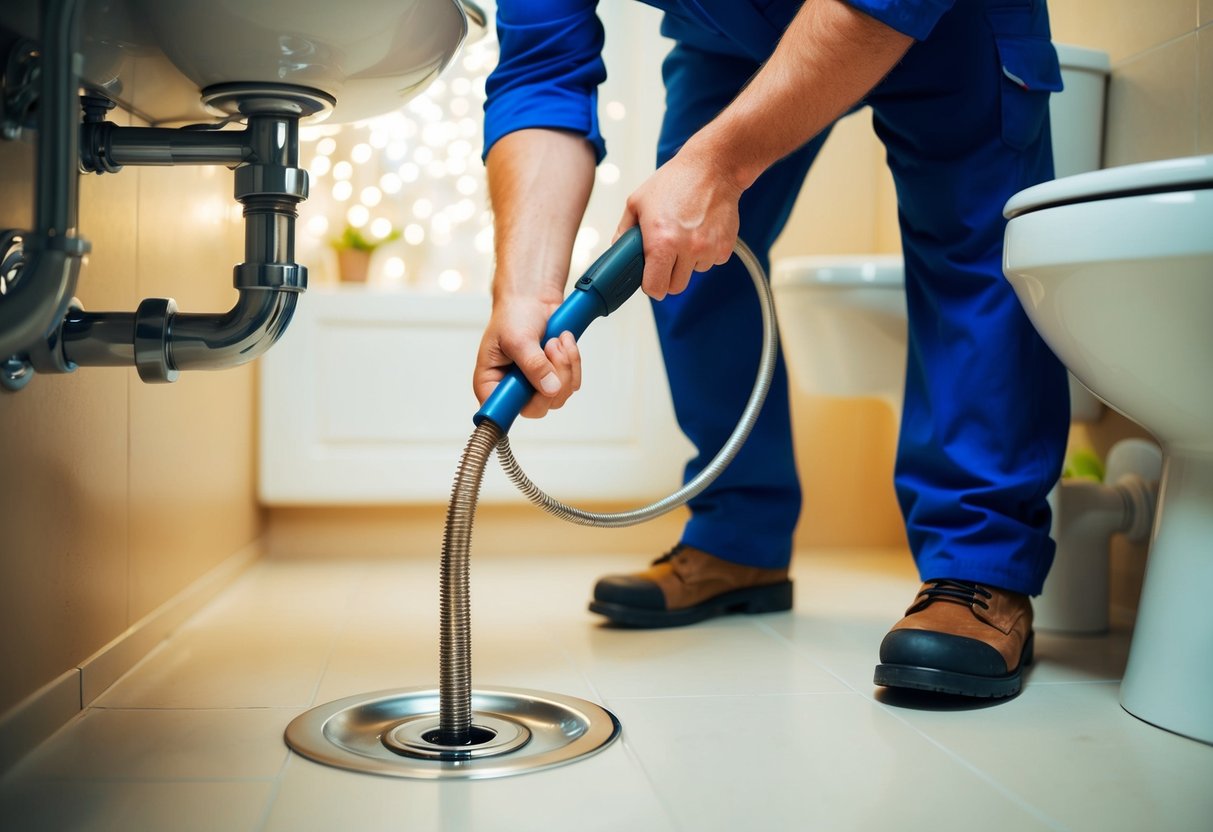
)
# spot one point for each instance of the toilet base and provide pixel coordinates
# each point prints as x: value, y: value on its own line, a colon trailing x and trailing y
x: 1169, y: 678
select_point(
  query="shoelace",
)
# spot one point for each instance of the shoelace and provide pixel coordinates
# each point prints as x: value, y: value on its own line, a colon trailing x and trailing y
x: 955, y: 592
x: 668, y: 556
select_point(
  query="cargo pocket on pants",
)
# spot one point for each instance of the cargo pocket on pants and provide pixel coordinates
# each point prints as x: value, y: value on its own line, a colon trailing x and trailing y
x: 1030, y: 72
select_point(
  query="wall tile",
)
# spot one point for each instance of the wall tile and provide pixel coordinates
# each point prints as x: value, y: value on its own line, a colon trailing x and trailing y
x: 192, y: 491
x: 1122, y: 28
x: 1152, y: 106
x: 126, y: 492
x: 63, y: 457
x: 1206, y: 12
x: 1204, y: 86
x: 108, y: 219
x: 836, y: 209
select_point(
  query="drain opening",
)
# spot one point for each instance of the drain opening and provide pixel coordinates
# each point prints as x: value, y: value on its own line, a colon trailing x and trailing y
x: 477, y: 735
x: 487, y: 736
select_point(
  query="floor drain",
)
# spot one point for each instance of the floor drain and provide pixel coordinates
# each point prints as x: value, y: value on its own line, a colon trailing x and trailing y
x: 395, y: 733
x: 489, y: 735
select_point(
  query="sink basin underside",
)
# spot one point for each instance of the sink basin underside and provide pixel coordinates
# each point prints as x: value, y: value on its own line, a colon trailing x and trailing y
x: 155, y: 57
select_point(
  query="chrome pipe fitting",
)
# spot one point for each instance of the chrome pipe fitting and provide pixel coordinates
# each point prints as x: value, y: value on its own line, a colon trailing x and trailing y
x: 214, y: 342
x: 99, y: 339
x: 105, y: 147
x: 157, y: 339
x: 43, y: 329
x: 37, y: 292
x: 151, y: 340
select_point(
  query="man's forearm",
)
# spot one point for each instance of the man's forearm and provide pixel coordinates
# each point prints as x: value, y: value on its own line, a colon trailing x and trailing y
x: 829, y: 58
x: 539, y: 183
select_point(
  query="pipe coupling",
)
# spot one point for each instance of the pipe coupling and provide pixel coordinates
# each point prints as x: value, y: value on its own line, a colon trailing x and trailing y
x: 152, y: 321
x: 271, y: 180
x: 96, y: 152
x: 283, y: 277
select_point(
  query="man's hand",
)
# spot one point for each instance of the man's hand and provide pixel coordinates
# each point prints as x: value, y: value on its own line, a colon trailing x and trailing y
x: 687, y: 213
x: 513, y: 337
x: 829, y: 58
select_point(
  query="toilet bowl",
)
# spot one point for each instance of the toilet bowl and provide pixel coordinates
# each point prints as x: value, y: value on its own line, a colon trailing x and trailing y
x: 842, y: 320
x: 1115, y: 270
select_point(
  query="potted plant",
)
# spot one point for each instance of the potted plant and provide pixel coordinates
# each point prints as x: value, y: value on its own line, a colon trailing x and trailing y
x: 354, y: 250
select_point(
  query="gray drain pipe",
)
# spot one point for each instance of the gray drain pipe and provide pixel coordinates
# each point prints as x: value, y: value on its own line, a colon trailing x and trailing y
x: 51, y: 255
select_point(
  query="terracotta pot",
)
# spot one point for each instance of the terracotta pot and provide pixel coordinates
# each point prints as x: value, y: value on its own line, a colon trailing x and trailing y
x: 353, y: 265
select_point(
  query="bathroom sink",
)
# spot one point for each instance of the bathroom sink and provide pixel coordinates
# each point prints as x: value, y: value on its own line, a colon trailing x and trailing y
x: 366, y: 57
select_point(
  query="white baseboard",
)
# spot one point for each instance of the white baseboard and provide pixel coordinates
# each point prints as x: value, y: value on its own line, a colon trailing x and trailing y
x: 50, y: 707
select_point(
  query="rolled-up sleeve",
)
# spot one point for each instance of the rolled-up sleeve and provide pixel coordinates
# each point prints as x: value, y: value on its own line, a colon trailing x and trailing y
x: 548, y: 72
x: 915, y: 18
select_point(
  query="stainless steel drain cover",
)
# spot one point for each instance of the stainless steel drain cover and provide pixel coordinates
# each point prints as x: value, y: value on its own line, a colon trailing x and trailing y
x: 390, y: 732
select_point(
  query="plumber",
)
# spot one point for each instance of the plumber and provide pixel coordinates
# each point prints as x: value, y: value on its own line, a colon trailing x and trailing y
x: 959, y: 93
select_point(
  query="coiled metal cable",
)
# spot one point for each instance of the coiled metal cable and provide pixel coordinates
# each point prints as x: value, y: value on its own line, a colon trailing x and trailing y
x: 455, y: 662
x: 745, y: 423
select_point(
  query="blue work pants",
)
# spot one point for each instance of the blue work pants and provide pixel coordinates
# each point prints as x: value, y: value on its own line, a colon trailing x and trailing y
x: 986, y: 411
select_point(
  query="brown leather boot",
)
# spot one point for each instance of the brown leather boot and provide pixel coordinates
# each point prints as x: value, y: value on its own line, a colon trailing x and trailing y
x: 686, y: 585
x: 962, y: 638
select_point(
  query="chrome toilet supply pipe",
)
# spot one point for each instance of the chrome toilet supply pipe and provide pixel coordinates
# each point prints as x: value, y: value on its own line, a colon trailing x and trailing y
x: 44, y: 329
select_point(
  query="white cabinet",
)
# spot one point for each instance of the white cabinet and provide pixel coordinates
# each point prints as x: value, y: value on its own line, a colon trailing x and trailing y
x: 367, y: 399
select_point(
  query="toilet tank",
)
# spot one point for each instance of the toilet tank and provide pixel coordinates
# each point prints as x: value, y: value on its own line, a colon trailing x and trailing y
x: 1077, y: 112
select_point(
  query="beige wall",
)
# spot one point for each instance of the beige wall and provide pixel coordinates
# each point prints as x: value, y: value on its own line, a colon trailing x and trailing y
x: 117, y: 494
x: 1160, y: 100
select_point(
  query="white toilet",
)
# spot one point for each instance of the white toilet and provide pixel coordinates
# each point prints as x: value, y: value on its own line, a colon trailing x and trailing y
x: 1115, y: 270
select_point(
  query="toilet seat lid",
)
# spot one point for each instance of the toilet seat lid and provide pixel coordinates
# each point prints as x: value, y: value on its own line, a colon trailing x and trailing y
x: 1130, y: 180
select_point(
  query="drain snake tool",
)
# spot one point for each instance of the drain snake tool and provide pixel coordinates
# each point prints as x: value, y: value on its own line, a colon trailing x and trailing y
x: 607, y: 284
x: 396, y: 732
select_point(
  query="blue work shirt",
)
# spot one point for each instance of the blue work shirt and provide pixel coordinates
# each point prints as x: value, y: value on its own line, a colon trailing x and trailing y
x: 551, y: 64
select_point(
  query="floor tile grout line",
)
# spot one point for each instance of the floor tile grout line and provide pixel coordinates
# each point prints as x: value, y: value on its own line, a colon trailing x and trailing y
x: 302, y: 706
x: 623, y: 739
x: 979, y: 772
x: 634, y: 755
x: 268, y: 779
x: 806, y: 694
x: 275, y: 788
x: 800, y: 651
x: 119, y: 709
x: 339, y: 631
x: 1061, y: 682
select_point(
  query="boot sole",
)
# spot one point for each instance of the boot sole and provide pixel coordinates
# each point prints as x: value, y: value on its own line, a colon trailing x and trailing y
x: 749, y: 601
x: 959, y: 684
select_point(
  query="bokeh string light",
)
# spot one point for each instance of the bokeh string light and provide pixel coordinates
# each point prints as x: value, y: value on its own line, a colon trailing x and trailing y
x: 413, y: 182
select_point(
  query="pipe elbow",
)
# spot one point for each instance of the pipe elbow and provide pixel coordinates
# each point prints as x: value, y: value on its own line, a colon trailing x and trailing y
x: 1088, y: 510
x: 34, y: 304
x: 216, y: 342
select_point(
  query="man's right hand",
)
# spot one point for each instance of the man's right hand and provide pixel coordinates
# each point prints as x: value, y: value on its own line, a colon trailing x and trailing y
x: 513, y: 337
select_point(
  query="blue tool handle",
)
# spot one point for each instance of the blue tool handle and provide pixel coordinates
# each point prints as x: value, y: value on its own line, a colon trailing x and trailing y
x: 612, y: 279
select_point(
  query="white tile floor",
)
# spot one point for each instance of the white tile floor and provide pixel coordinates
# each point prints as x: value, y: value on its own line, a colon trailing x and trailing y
x: 747, y: 723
